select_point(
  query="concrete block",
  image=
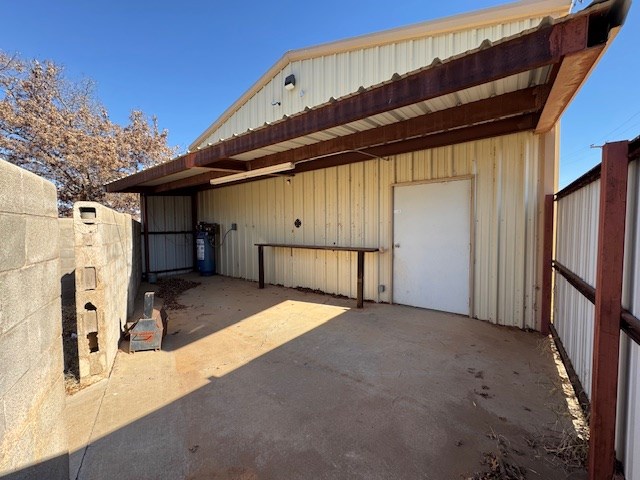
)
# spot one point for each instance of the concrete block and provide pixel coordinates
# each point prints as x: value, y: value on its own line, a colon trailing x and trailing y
x: 27, y: 290
x: 89, y: 321
x: 31, y: 382
x: 33, y: 194
x: 98, y: 363
x: 42, y: 242
x: 12, y: 239
x: 51, y: 438
x: 87, y: 212
x: 50, y: 199
x: 14, y: 355
x: 21, y: 452
x: 84, y: 366
x: 45, y: 327
x: 89, y: 278
x: 3, y: 425
x: 51, y: 270
x: 40, y: 196
x: 11, y: 191
x: 103, y: 277
x: 23, y: 399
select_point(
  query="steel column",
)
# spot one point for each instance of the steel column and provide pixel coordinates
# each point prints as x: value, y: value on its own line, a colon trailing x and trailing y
x: 360, y: 299
x: 145, y: 219
x: 260, y: 266
x: 606, y: 344
x: 194, y: 223
x: 547, y: 257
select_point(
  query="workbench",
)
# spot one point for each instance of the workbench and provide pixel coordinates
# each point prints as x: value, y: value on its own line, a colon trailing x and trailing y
x: 359, y: 250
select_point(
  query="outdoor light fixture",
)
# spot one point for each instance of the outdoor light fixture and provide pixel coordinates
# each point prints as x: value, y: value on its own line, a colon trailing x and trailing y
x: 290, y: 82
x: 282, y: 167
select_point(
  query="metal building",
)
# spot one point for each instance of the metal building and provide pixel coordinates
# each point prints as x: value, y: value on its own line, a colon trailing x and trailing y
x: 434, y: 144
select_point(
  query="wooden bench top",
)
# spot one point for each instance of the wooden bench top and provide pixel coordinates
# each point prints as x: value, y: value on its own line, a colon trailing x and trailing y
x: 320, y: 247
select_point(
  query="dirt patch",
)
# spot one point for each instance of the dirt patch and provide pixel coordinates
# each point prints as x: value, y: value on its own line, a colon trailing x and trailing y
x: 567, y: 449
x: 500, y: 464
x: 169, y: 289
x: 320, y: 292
x: 70, y: 349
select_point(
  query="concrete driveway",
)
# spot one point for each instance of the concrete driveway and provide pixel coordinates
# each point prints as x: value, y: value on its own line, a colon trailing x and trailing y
x: 282, y: 384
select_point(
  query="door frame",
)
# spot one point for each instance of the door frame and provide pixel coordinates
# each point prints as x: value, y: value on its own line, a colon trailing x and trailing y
x: 472, y: 214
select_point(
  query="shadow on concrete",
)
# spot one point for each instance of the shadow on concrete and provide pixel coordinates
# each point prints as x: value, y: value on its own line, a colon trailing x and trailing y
x: 359, y: 394
x: 53, y: 468
x: 69, y: 324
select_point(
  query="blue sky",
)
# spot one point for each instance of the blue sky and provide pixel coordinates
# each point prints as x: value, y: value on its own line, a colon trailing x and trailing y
x: 187, y: 61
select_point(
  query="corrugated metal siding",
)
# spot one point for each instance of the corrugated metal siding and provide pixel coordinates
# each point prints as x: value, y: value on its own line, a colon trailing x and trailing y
x: 318, y: 79
x: 351, y: 205
x: 574, y: 315
x: 169, y: 251
x: 574, y: 321
x: 628, y: 434
x: 576, y: 246
x: 577, y: 237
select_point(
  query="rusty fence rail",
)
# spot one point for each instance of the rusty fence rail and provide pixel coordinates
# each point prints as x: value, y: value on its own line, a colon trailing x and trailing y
x: 596, y: 297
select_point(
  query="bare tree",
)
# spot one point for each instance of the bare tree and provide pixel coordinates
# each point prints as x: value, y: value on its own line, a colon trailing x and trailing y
x: 57, y: 129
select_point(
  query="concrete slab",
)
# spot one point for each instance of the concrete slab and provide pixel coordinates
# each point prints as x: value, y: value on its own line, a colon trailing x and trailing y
x: 277, y: 383
x: 81, y: 412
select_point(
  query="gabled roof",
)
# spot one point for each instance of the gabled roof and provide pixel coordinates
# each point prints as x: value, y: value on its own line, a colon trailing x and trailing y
x: 477, y: 19
x: 520, y: 83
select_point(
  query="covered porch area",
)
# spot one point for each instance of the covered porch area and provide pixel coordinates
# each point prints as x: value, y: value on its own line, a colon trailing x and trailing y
x: 285, y: 383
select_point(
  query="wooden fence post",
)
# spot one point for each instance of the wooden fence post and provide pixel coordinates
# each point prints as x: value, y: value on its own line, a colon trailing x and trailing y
x: 606, y: 343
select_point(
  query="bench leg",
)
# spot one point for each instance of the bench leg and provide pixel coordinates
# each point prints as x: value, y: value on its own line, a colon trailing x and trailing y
x: 260, y: 267
x: 360, y: 279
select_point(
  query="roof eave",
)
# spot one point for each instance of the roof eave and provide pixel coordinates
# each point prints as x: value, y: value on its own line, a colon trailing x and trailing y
x: 502, y: 13
x: 563, y: 44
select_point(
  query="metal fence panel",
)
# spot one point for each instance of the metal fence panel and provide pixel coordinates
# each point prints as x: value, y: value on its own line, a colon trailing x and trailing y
x: 573, y: 319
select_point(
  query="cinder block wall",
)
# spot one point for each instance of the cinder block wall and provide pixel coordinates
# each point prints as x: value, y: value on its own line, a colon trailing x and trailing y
x: 108, y: 271
x: 33, y: 437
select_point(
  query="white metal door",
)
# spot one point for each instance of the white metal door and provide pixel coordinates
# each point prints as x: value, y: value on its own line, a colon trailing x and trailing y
x: 431, y: 236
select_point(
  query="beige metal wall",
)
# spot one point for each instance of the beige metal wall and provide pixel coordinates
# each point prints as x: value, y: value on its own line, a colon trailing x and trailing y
x: 351, y: 205
x: 338, y: 74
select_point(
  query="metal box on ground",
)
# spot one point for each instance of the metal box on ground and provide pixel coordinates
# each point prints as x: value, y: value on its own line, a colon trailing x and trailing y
x: 147, y: 332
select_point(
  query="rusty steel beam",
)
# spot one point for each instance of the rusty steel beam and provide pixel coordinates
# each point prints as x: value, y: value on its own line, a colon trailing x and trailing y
x: 229, y: 164
x: 631, y: 325
x: 573, y: 72
x: 628, y: 322
x: 544, y: 46
x: 549, y: 44
x: 176, y: 165
x: 477, y: 132
x: 582, y: 181
x: 576, y: 282
x: 185, y: 183
x: 452, y: 137
x: 608, y: 310
x: 502, y: 106
x: 133, y: 183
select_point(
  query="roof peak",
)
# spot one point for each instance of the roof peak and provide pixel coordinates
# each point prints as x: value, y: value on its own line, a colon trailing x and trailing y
x: 462, y: 21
